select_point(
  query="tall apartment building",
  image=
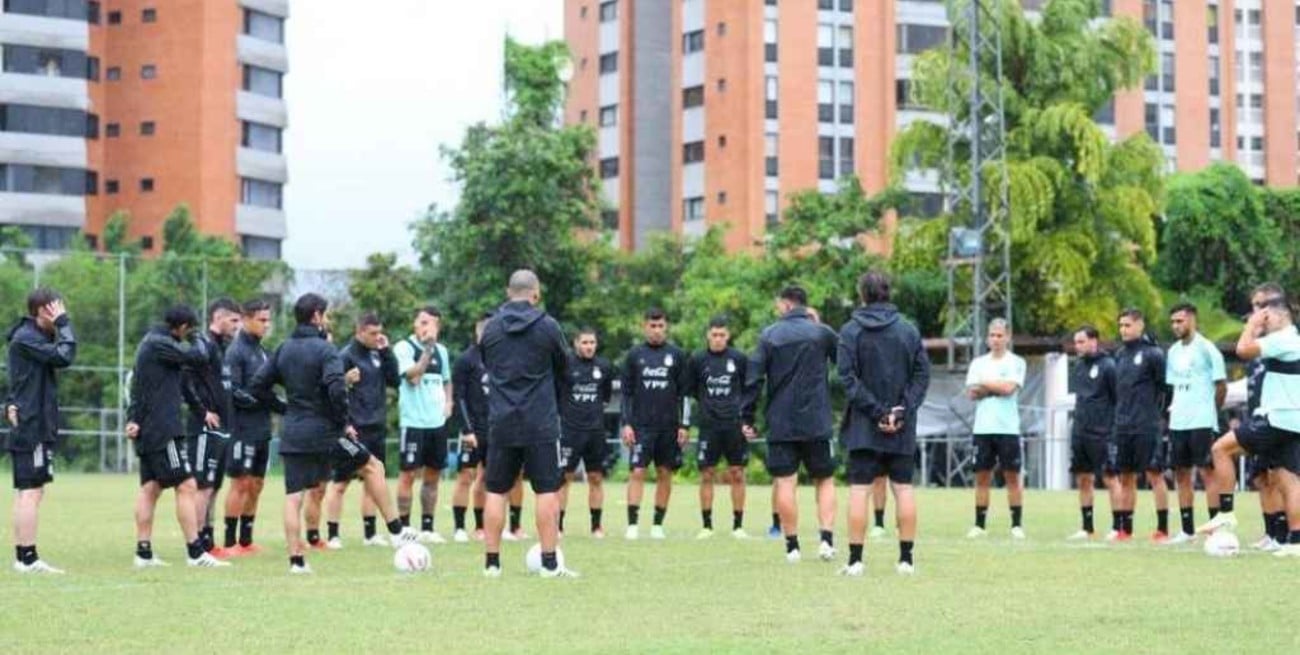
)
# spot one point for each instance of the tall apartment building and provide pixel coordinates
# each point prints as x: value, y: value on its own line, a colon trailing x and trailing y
x: 141, y: 105
x: 714, y: 111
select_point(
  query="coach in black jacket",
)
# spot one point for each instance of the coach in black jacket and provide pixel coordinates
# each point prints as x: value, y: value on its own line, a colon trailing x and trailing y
x: 885, y: 372
x: 1092, y: 381
x: 524, y: 354
x: 794, y: 356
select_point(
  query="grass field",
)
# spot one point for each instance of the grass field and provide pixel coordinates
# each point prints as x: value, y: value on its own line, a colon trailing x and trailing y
x: 677, y: 596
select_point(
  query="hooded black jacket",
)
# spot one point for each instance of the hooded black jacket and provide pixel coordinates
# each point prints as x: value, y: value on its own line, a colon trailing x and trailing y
x: 718, y: 384
x: 1139, y: 387
x: 156, y: 387
x: 252, y: 421
x: 311, y: 372
x: 469, y: 389
x: 654, y: 385
x: 882, y: 364
x: 208, y: 385
x: 368, y: 398
x: 1092, y: 381
x: 34, y: 356
x: 586, y: 389
x: 794, y: 357
x: 524, y: 354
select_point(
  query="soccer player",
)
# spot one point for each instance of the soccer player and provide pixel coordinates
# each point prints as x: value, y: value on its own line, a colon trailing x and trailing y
x: 207, y: 391
x: 470, y: 391
x: 886, y: 373
x: 1195, y: 371
x: 717, y: 378
x: 1259, y: 467
x: 1139, y: 399
x: 316, y: 437
x: 1092, y: 381
x: 994, y: 381
x: 154, y: 423
x: 40, y: 344
x: 250, y: 448
x: 654, y: 388
x: 369, y: 370
x: 585, y: 390
x: 425, y: 403
x: 523, y: 351
x: 791, y: 362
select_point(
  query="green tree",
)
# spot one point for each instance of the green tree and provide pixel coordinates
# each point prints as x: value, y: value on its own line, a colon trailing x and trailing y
x: 1282, y: 207
x: 383, y: 287
x: 1081, y: 207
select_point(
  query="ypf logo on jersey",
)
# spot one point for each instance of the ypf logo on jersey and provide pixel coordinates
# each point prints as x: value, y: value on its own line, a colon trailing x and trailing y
x: 655, y: 377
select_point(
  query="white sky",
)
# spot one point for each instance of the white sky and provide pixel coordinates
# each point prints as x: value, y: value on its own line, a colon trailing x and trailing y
x: 372, y: 94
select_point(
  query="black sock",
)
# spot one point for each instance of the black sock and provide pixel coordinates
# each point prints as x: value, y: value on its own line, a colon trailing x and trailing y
x: 1293, y: 537
x: 144, y: 549
x: 1128, y: 521
x: 395, y: 526
x: 297, y: 560
x: 27, y: 554
x: 737, y: 520
x: 561, y: 525
x: 1162, y: 521
x: 855, y: 554
x: 1225, y: 503
x: 827, y: 537
x: 660, y: 512
x: 880, y: 518
x: 195, y: 548
x: 549, y: 561
x: 313, y: 537
x: 332, y: 528
x: 981, y: 515
x: 516, y: 511
x: 595, y: 519
x: 246, y: 529
x: 368, y: 526
x: 1187, y: 515
x: 905, y: 551
x: 1278, y: 526
x: 406, y: 520
x: 478, y: 518
x: 205, y: 538
x: 426, y: 523
x: 458, y: 517
x: 1116, y: 521
x: 791, y: 542
x: 1017, y: 512
x: 706, y: 515
x: 1086, y: 512
x: 1214, y: 511
x: 776, y: 521
x: 232, y: 532
x: 493, y: 560
x: 633, y: 514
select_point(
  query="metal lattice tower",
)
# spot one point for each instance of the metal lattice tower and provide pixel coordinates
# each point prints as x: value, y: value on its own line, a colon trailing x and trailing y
x: 975, y: 179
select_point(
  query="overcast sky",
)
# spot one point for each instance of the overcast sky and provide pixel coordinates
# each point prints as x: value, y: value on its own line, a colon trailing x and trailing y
x: 372, y: 95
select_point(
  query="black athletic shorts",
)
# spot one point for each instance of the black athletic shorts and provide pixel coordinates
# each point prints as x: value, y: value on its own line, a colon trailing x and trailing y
x: 423, y: 448
x: 722, y: 441
x: 1135, y: 453
x: 1088, y: 455
x: 375, y: 439
x: 33, y: 469
x: 817, y: 458
x: 997, y: 451
x: 168, y: 467
x: 471, y: 458
x: 586, y: 448
x: 207, y: 452
x: 1191, y: 448
x: 248, y: 458
x: 656, y: 448
x: 540, y: 461
x: 347, y: 456
x: 1257, y: 463
x: 1280, y: 447
x: 865, y: 466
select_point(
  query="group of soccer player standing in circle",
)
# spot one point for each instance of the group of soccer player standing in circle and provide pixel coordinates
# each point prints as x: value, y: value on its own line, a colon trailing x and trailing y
x: 531, y: 405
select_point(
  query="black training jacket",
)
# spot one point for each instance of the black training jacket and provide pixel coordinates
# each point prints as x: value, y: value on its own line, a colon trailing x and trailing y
x: 793, y: 357
x: 208, y: 385
x: 524, y: 354
x: 585, y: 390
x: 654, y: 384
x: 156, y: 387
x: 469, y: 390
x: 311, y: 372
x: 34, y: 356
x: 1140, y: 390
x: 368, y: 398
x: 252, y: 420
x: 882, y: 364
x: 718, y: 385
x: 1092, y: 381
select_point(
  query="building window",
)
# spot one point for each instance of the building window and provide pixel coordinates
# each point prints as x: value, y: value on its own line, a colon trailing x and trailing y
x: 846, y: 6
x: 609, y: 167
x: 770, y: 154
x: 111, y: 187
x: 263, y: 81
x: 722, y: 141
x: 609, y: 63
x: 146, y: 128
x: 608, y: 11
x: 825, y: 101
x: 1167, y: 19
x: 693, y: 208
x: 693, y: 152
x: 112, y: 130
x: 114, y: 18
x: 846, y: 102
x: 1216, y: 131
x: 844, y: 42
x: 263, y: 26
x: 260, y: 193
x: 1214, y: 75
x: 826, y: 158
x: 769, y: 41
x: 1212, y: 22
x: 260, y: 248
x: 92, y: 69
x: 50, y: 180
x: 770, y: 91
x: 1167, y: 70
x: 146, y: 243
x: 609, y: 219
x: 609, y: 116
x: 146, y: 185
x: 54, y: 121
x: 825, y: 45
x: 925, y: 205
x: 582, y: 12
x: 1151, y: 116
x: 722, y: 197
x: 722, y: 84
x: 148, y: 72
x: 92, y: 12
x: 582, y: 115
x: 826, y: 5
x: 48, y: 62
x: 113, y: 74
x: 693, y: 42
x: 257, y: 136
x: 1168, y: 134
x: 722, y: 29
x: 915, y: 39
x: 692, y: 97
x: 1106, y: 114
x: 771, y: 207
x: 846, y: 156
x: 75, y: 9
x: 149, y: 15
x: 92, y: 126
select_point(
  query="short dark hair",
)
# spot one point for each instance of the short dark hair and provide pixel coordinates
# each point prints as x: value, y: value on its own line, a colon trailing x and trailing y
x: 427, y: 309
x: 178, y: 315
x: 368, y: 319
x: 1183, y: 307
x: 1088, y: 331
x: 720, y: 321
x: 873, y: 286
x: 1269, y: 289
x: 586, y: 329
x: 656, y: 314
x: 220, y: 304
x: 795, y: 294
x: 256, y: 305
x: 40, y: 297
x: 308, y: 305
x: 1133, y: 313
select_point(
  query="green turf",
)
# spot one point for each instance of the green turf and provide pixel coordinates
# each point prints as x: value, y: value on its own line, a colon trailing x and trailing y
x: 678, y: 596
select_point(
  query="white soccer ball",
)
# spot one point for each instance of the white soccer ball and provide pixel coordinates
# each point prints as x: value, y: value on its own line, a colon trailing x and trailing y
x: 1222, y: 544
x: 533, y: 558
x: 412, y: 558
